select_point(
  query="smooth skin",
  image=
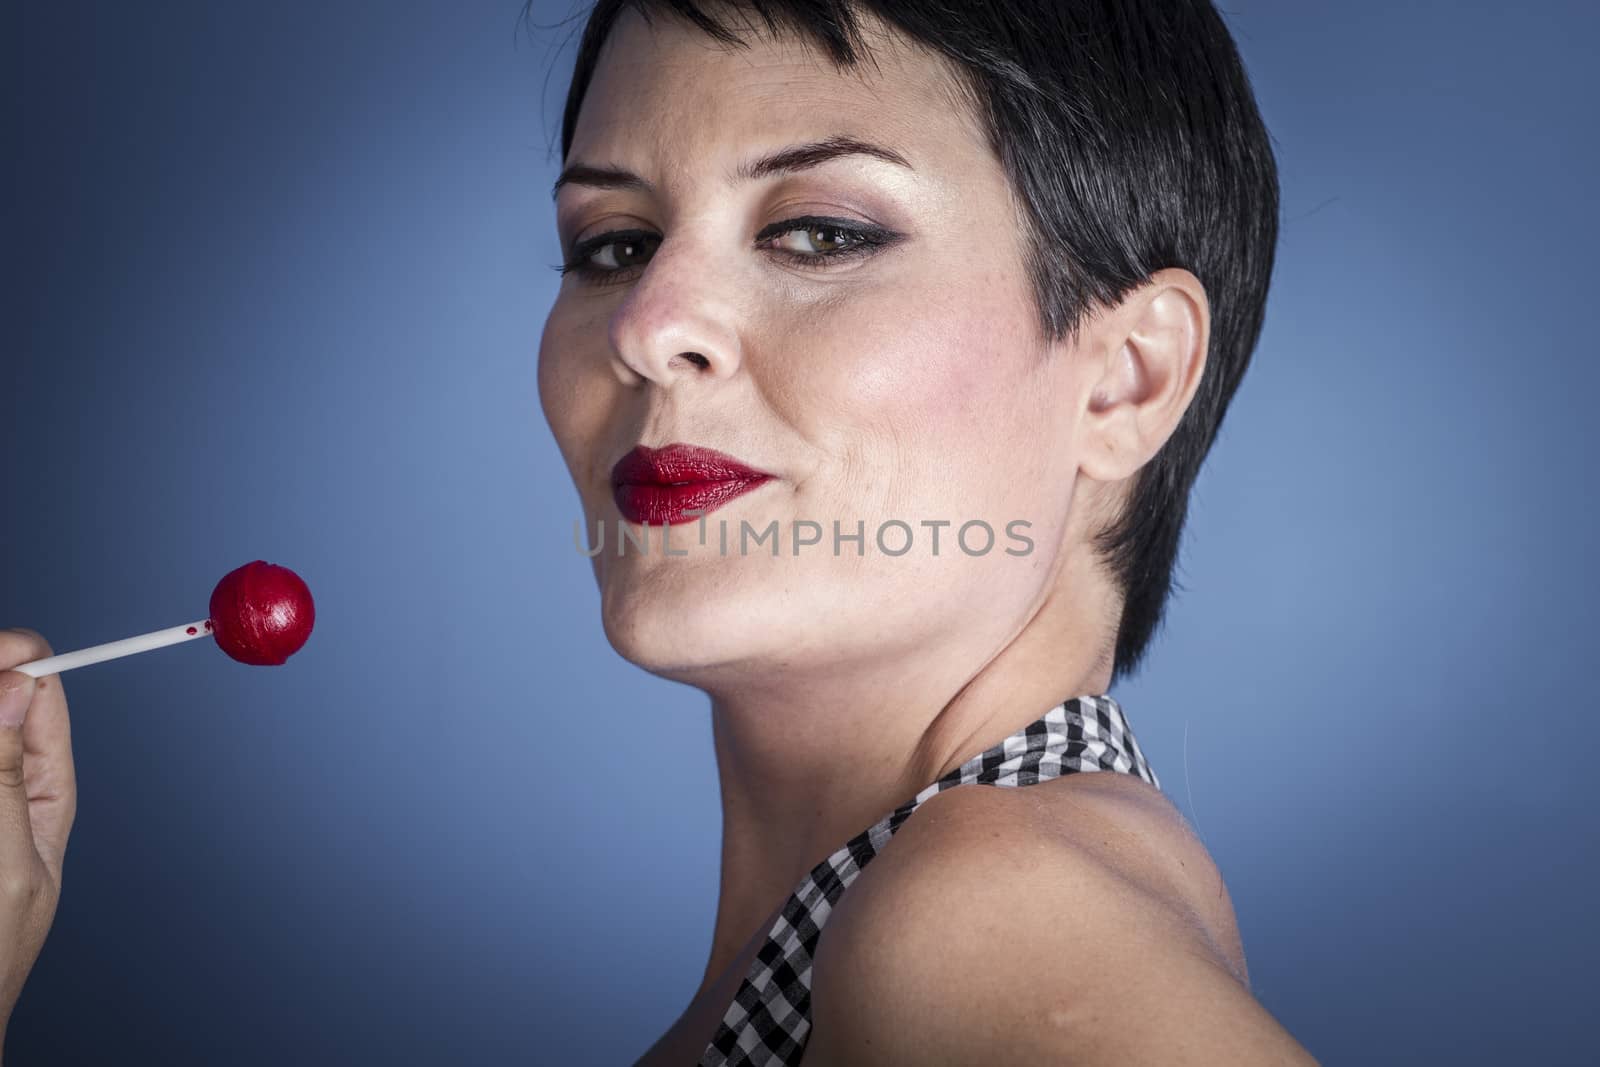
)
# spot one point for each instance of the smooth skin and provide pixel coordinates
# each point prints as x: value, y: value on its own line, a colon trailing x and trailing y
x: 38, y: 803
x: 907, y: 384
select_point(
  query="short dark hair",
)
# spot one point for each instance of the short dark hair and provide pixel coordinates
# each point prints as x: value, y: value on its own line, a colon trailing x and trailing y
x: 1130, y: 135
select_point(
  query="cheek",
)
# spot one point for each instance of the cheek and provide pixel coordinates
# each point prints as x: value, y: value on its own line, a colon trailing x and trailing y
x: 555, y: 369
x: 945, y: 390
x: 943, y: 351
x: 572, y: 392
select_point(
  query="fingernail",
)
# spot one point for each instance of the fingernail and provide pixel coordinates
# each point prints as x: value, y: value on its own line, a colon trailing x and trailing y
x: 16, y: 694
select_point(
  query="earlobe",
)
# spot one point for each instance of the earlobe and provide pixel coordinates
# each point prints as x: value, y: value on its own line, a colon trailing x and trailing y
x: 1155, y: 347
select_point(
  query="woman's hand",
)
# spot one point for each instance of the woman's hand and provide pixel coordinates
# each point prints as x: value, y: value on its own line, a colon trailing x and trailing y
x: 38, y: 800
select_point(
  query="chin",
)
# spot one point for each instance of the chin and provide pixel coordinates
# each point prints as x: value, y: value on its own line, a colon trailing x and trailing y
x: 672, y: 622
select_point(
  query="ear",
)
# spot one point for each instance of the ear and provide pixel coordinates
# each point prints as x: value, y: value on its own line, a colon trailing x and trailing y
x: 1149, y: 354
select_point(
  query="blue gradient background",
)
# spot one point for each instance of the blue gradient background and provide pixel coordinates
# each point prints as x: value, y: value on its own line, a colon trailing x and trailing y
x: 277, y: 278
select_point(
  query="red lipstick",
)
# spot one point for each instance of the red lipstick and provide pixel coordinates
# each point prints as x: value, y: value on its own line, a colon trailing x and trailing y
x: 657, y: 485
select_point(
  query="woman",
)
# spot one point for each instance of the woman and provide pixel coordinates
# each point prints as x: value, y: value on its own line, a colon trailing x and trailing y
x: 891, y: 338
x: 1004, y: 275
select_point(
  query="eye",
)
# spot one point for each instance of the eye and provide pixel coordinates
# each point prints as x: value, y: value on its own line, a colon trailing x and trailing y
x: 835, y: 239
x: 831, y: 239
x: 627, y: 247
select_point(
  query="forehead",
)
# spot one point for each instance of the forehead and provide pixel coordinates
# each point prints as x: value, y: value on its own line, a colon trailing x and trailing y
x: 665, y: 88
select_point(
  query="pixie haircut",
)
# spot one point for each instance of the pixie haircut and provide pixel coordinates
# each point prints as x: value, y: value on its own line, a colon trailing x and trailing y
x: 1131, y: 140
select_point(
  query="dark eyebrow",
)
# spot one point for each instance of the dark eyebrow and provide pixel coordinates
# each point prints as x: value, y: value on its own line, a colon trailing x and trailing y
x: 784, y: 161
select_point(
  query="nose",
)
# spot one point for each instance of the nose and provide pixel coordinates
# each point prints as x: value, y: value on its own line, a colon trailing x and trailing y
x: 676, y: 322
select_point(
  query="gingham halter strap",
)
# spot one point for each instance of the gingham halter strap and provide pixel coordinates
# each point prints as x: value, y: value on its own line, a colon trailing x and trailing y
x: 770, y: 1017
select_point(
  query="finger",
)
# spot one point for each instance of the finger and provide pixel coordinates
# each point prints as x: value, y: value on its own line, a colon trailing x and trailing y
x: 51, y: 777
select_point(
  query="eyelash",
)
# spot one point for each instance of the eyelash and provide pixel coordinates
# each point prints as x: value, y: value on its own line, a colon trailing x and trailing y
x: 862, y: 241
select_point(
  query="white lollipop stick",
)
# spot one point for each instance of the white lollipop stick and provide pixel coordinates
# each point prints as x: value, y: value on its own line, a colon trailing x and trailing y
x: 113, y: 649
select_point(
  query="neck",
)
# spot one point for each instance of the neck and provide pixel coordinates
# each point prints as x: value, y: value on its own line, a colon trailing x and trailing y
x: 809, y: 758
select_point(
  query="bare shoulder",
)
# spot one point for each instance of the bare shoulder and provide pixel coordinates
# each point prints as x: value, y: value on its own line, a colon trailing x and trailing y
x: 1078, y: 913
x: 1130, y: 827
x: 1110, y: 827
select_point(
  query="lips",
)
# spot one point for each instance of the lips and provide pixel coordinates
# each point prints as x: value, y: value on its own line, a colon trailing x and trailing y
x: 657, y: 485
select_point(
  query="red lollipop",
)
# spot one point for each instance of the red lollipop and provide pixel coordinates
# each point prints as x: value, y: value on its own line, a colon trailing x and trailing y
x: 261, y: 614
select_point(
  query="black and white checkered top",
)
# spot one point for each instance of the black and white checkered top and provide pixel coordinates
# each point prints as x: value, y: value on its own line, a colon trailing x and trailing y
x: 770, y: 1017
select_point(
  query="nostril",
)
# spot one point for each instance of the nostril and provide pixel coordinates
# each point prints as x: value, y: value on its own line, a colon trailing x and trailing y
x: 697, y: 359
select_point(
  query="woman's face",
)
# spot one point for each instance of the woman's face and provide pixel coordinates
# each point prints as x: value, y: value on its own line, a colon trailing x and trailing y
x: 904, y: 384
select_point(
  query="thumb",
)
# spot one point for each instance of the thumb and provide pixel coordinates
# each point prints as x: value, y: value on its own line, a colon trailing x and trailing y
x: 16, y: 695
